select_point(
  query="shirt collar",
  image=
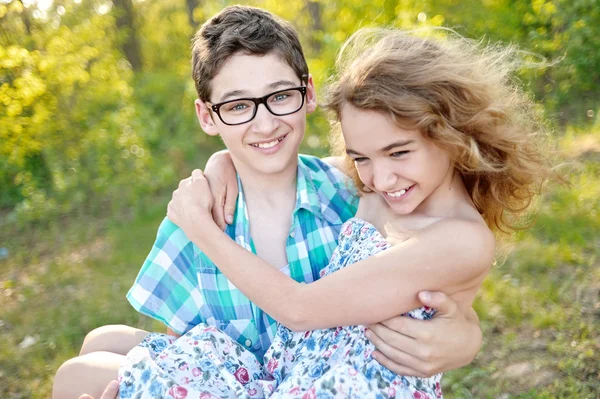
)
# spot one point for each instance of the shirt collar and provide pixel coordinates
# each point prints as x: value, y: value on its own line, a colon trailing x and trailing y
x: 315, y: 190
x: 239, y: 230
x: 314, y: 193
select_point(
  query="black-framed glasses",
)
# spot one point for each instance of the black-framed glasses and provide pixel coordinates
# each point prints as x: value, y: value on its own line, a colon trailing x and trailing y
x: 243, y: 110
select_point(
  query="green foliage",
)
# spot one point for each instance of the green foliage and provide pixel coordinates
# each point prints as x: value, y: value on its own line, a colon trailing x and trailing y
x: 65, y: 129
x: 563, y: 32
x: 82, y: 134
x: 79, y: 129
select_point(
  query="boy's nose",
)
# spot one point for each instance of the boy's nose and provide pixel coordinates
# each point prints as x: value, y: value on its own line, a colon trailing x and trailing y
x: 264, y: 122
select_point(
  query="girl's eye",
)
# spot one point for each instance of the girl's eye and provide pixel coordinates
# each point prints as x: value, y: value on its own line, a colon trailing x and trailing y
x: 360, y: 159
x: 398, y: 154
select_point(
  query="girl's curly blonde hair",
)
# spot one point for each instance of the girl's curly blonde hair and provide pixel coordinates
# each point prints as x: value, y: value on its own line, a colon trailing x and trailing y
x: 461, y: 95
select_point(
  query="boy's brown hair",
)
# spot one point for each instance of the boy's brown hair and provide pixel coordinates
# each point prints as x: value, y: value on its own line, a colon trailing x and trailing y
x: 244, y: 29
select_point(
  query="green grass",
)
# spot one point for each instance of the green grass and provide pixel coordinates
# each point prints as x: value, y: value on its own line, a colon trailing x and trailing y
x: 58, y: 297
x: 539, y: 308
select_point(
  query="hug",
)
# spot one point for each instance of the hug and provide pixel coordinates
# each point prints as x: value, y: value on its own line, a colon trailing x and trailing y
x: 351, y: 276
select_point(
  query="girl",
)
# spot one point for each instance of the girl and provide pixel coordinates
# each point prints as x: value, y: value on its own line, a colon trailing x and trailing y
x: 441, y: 145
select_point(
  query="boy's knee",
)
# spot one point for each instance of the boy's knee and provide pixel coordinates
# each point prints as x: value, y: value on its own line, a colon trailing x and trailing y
x: 116, y: 338
x: 102, y: 339
x: 65, y: 375
x: 88, y: 374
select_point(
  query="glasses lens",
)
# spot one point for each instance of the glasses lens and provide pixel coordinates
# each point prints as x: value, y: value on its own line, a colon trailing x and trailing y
x: 237, y: 111
x: 285, y: 102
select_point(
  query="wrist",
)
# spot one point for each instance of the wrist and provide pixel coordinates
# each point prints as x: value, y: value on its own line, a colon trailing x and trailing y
x: 206, y: 236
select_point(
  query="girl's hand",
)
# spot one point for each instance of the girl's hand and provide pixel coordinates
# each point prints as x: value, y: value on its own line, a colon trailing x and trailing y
x: 191, y: 206
x: 111, y: 392
x: 222, y: 179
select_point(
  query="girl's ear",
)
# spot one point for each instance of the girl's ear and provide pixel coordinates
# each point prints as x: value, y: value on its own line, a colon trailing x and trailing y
x: 205, y: 117
x: 311, y: 95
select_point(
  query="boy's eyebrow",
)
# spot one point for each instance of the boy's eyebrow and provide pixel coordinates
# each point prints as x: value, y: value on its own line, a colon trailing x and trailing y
x: 384, y: 149
x: 233, y: 93
x: 246, y: 93
x: 283, y: 82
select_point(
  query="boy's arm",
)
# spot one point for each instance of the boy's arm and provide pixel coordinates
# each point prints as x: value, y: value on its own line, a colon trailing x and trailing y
x: 423, y: 348
x: 167, y: 287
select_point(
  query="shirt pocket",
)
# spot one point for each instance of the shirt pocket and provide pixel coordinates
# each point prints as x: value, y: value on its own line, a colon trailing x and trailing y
x: 243, y: 331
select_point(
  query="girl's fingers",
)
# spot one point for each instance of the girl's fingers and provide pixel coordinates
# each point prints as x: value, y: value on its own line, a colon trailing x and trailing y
x: 231, y: 195
x: 111, y: 391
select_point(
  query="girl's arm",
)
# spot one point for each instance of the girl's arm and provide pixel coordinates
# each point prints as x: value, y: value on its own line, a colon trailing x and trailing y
x: 449, y: 256
x: 221, y: 175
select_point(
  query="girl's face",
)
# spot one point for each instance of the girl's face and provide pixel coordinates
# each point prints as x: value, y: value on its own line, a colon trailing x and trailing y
x: 401, y: 165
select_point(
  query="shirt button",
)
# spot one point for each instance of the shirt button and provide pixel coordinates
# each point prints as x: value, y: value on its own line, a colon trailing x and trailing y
x: 293, y: 234
x: 248, y: 343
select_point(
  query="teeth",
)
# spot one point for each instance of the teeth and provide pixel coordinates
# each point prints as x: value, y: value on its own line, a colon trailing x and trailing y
x: 268, y: 145
x: 397, y: 193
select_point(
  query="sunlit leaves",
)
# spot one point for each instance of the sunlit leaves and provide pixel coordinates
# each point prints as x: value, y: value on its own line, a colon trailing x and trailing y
x: 72, y: 113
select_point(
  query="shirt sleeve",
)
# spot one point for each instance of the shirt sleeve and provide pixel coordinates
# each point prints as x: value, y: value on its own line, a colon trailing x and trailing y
x: 342, y: 197
x: 166, y: 287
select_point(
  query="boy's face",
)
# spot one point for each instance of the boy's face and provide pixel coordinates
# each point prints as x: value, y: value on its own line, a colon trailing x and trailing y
x: 267, y: 144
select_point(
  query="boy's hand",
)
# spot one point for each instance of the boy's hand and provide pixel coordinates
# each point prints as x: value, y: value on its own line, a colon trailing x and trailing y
x: 191, y: 206
x: 422, y: 348
x: 111, y: 392
x: 222, y: 179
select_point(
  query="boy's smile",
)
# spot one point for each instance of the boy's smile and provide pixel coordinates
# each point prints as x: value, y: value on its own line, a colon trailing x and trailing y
x: 269, y: 147
x: 267, y: 144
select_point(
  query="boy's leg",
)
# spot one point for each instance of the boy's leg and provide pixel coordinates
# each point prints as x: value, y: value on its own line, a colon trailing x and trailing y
x: 118, y: 339
x: 87, y: 374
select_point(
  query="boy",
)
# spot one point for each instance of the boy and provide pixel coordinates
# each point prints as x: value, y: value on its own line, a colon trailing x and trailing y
x: 254, y: 90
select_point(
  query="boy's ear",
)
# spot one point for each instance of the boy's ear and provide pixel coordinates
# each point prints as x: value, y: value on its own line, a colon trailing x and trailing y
x: 205, y: 118
x: 311, y: 95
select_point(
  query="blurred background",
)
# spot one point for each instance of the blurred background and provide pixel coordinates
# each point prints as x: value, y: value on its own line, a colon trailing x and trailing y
x: 97, y: 126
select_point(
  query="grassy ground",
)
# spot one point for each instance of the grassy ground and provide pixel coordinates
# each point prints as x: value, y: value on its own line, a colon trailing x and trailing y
x: 540, y: 307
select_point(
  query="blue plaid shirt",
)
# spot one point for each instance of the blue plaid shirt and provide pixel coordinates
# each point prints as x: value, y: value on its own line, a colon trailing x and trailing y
x: 181, y: 287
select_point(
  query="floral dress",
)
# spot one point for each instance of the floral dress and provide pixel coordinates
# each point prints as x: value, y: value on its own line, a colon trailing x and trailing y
x: 331, y: 363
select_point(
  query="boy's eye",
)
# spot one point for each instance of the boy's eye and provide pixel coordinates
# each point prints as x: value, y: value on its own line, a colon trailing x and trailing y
x: 237, y: 106
x: 280, y: 97
x: 360, y: 159
x: 398, y: 154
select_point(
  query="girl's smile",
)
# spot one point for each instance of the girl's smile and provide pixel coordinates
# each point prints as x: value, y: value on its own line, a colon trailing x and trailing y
x: 400, y: 164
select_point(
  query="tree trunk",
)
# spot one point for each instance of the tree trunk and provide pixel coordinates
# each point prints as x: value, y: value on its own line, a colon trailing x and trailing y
x: 127, y: 33
x: 191, y: 5
x: 315, y: 10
